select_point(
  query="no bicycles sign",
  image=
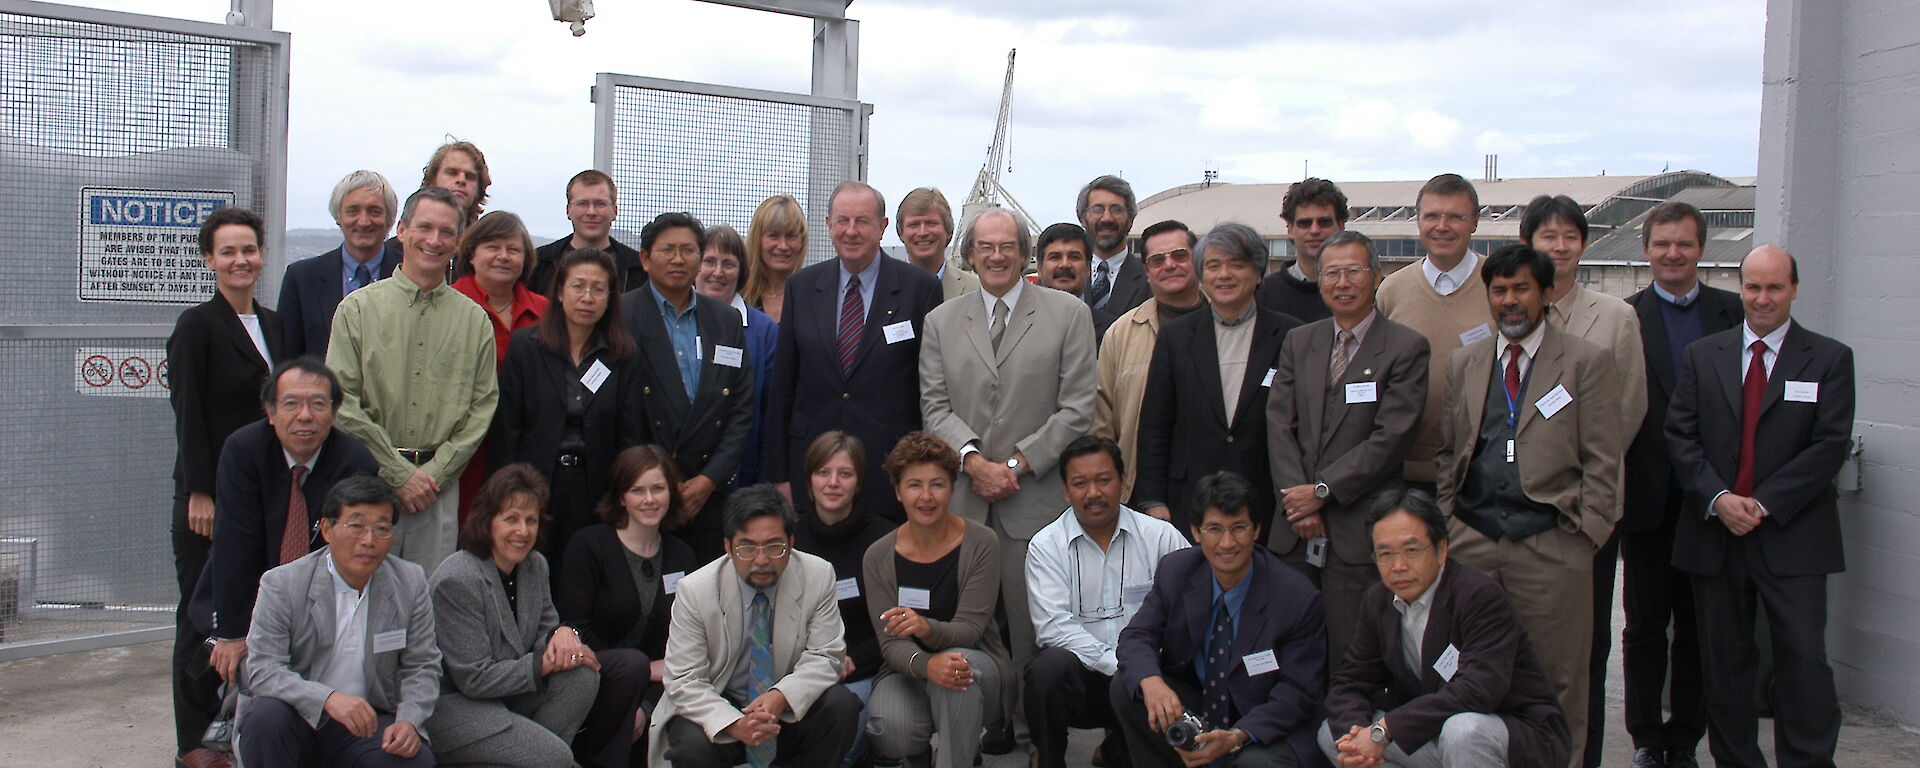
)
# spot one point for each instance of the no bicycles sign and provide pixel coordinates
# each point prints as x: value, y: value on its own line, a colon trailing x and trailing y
x: 117, y: 372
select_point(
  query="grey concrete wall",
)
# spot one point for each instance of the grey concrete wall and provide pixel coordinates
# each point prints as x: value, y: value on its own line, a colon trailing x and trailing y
x: 1839, y: 176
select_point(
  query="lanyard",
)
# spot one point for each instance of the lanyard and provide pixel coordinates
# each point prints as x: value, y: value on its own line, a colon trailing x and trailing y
x: 1513, y: 408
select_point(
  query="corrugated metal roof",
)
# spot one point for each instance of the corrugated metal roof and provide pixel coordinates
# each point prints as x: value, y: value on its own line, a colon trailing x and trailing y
x: 1201, y: 206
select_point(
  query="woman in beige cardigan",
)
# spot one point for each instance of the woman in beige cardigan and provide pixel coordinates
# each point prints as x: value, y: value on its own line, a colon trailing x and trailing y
x: 931, y: 586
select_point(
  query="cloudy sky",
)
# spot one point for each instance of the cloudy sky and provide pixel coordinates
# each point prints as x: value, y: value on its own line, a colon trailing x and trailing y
x: 1158, y: 92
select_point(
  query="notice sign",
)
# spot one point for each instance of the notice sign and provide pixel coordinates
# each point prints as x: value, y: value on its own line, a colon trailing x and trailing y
x: 121, y: 372
x: 142, y: 245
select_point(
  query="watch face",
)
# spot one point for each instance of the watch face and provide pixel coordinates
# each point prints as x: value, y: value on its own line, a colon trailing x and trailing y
x: 1013, y: 463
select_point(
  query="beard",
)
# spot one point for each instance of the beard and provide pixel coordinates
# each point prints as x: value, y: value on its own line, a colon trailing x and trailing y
x: 1518, y: 329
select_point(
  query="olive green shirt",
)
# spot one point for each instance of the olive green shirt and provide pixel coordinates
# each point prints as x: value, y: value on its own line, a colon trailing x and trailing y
x: 417, y: 371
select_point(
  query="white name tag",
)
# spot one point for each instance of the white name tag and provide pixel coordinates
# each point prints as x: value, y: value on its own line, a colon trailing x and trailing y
x: 1551, y: 402
x: 672, y: 581
x: 1135, y: 594
x: 1476, y: 333
x: 1317, y: 552
x: 916, y: 598
x: 727, y: 356
x: 899, y: 332
x: 390, y: 641
x: 1803, y: 391
x: 848, y: 587
x: 697, y: 347
x: 596, y: 375
x: 1448, y: 663
x: 1260, y: 663
x: 1363, y: 392
x: 1267, y: 381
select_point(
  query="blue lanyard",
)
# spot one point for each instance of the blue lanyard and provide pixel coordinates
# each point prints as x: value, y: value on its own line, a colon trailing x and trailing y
x: 1513, y: 408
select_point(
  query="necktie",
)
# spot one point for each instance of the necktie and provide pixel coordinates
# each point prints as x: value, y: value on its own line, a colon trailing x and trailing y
x: 852, y: 317
x: 1219, y: 666
x: 361, y: 277
x: 1102, y: 285
x: 1751, y: 393
x: 1513, y: 372
x: 294, y: 538
x: 998, y: 327
x: 1341, y: 357
x: 760, y: 655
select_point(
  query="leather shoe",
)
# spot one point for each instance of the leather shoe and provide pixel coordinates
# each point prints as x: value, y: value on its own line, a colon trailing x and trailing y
x: 1648, y: 757
x: 998, y: 741
x: 205, y: 758
x: 1678, y: 760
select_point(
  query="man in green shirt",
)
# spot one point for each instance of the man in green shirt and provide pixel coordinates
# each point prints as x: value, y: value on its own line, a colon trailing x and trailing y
x: 416, y: 366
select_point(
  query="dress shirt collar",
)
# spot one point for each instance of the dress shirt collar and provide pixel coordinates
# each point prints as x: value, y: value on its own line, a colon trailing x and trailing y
x: 1359, y: 329
x: 1293, y: 268
x: 1123, y: 523
x: 1685, y: 300
x: 867, y: 276
x: 1773, y: 340
x: 310, y: 463
x: 1460, y: 273
x: 1253, y: 309
x: 1528, y: 346
x: 1114, y: 263
x: 348, y: 263
x: 747, y: 590
x: 339, y: 584
x: 1565, y: 304
x: 1012, y: 299
x: 1425, y: 600
x: 1238, y: 595
x: 416, y: 294
x: 666, y: 305
x: 740, y: 305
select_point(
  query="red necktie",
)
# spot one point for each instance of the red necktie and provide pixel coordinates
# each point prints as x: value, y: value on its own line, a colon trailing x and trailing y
x: 1751, y: 393
x: 851, y: 311
x: 1513, y: 372
x: 293, y: 538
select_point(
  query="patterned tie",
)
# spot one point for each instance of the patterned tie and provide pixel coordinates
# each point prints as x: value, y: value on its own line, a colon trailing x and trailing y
x: 852, y: 317
x: 1751, y: 393
x: 1102, y: 286
x: 361, y: 277
x: 293, y: 539
x: 1219, y: 665
x: 760, y: 656
x: 1341, y: 357
x: 1513, y: 372
x: 998, y: 327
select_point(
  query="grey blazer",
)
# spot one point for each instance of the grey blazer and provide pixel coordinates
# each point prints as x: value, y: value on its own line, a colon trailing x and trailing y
x: 293, y: 632
x: 489, y: 652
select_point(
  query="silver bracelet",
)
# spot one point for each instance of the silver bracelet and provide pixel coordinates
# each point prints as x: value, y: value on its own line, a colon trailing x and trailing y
x: 910, y: 661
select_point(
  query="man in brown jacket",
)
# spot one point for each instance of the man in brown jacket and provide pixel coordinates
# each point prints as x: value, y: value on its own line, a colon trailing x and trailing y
x: 1174, y: 276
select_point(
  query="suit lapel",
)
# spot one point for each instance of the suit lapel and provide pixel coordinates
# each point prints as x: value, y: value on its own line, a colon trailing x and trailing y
x: 1733, y: 374
x: 732, y: 613
x: 1311, y: 380
x: 653, y: 341
x: 787, y: 613
x: 1252, y: 633
x: 975, y: 319
x: 236, y: 332
x: 1262, y: 356
x: 320, y: 600
x: 707, y: 318
x: 1541, y: 377
x: 1433, y: 642
x: 886, y: 303
x: 1201, y: 340
x: 509, y: 621
x: 827, y: 293
x: 1653, y: 338
x: 1019, y: 321
x: 1478, y: 377
x: 379, y: 608
x: 1199, y: 606
x: 1795, y: 353
x: 1359, y: 369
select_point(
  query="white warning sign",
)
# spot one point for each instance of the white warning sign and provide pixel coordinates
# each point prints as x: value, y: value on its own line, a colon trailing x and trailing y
x: 142, y: 245
x: 121, y: 372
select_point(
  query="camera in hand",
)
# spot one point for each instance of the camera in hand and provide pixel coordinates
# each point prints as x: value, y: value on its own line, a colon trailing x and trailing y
x: 1184, y: 733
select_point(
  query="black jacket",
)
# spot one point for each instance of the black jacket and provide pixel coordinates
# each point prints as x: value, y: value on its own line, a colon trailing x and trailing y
x: 215, y: 375
x: 707, y: 435
x: 595, y: 592
x: 310, y: 293
x: 531, y: 419
x: 1650, y: 471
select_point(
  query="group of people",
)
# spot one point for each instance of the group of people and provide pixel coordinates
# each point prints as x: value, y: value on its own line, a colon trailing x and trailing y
x: 693, y: 503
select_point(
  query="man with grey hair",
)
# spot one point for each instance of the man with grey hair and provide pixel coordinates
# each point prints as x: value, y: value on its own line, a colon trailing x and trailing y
x: 1205, y: 407
x: 363, y: 205
x: 1106, y: 208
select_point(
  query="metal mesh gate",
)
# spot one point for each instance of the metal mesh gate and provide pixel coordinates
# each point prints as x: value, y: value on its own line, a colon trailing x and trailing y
x: 717, y: 152
x: 117, y: 133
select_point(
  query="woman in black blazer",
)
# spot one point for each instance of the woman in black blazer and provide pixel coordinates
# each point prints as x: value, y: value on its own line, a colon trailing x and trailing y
x: 618, y: 584
x: 219, y: 355
x: 560, y: 407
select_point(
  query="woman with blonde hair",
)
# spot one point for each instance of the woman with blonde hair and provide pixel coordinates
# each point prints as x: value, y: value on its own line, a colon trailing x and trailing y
x: 776, y: 248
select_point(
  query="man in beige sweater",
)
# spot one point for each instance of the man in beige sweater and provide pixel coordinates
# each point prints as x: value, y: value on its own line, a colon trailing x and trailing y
x: 1442, y: 297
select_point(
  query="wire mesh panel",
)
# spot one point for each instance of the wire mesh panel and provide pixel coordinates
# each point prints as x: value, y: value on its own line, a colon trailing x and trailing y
x: 118, y: 135
x: 717, y: 152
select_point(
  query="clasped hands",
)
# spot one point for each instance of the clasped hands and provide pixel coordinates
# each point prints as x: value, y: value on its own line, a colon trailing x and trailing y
x: 993, y: 480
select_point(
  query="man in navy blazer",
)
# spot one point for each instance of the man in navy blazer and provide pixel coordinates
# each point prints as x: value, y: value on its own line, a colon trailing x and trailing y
x: 876, y: 395
x: 364, y: 206
x: 1226, y: 602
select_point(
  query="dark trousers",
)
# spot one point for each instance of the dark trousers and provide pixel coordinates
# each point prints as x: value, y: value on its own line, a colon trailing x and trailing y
x: 606, y: 736
x: 1656, y: 596
x: 1606, y: 563
x: 822, y: 738
x: 1146, y: 747
x: 1806, y: 726
x: 272, y: 733
x: 1062, y: 693
x: 196, y: 689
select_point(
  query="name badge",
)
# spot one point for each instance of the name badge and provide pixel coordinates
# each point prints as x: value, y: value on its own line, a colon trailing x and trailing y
x: 672, y: 581
x: 1363, y: 392
x: 1135, y: 593
x: 1317, y: 552
x: 1267, y: 381
x: 1476, y: 333
x: 916, y: 598
x: 846, y: 588
x: 899, y: 332
x: 1551, y: 402
x: 727, y: 356
x: 1260, y: 663
x: 1803, y: 391
x: 596, y: 376
x: 1448, y: 663
x: 390, y: 641
x: 697, y: 347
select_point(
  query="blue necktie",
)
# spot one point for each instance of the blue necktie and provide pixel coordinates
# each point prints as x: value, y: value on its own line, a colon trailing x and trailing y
x: 361, y: 277
x: 1102, y: 286
x: 760, y: 656
x: 1219, y: 666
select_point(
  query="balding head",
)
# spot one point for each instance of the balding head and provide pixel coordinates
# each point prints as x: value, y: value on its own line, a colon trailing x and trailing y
x: 1769, y: 282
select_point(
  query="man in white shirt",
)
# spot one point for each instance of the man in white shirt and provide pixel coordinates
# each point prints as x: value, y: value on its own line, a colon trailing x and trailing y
x: 1087, y: 573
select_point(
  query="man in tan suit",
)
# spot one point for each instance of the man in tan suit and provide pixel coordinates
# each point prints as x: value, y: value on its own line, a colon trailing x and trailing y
x: 754, y: 652
x: 1006, y: 379
x: 1336, y: 444
x: 1529, y: 467
x: 1127, y: 352
x: 924, y: 222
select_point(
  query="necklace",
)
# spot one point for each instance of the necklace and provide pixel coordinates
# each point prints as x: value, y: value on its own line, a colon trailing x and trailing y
x: 499, y: 310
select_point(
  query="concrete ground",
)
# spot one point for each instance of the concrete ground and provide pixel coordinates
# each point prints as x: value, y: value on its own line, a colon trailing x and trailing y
x: 113, y: 708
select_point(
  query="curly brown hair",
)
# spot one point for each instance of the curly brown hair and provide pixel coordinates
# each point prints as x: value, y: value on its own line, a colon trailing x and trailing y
x: 921, y: 448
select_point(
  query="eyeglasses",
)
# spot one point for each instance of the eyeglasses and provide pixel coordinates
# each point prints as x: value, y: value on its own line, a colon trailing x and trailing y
x: 381, y: 532
x: 1342, y: 274
x: 1412, y: 555
x: 1004, y: 249
x: 318, y: 405
x: 1100, y: 210
x: 751, y: 552
x: 1323, y: 222
x: 1238, y: 530
x: 1177, y: 256
x: 595, y: 290
x: 1101, y: 611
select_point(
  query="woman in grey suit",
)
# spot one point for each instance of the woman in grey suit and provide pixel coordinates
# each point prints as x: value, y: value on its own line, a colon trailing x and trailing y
x: 518, y: 684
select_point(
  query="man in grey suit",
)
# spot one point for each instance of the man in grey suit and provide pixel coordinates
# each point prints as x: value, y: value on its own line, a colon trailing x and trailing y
x: 1348, y: 392
x: 754, y: 652
x: 341, y: 660
x: 1007, y: 379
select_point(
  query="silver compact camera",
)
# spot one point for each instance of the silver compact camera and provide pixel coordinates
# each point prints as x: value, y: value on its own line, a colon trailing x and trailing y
x: 1185, y: 732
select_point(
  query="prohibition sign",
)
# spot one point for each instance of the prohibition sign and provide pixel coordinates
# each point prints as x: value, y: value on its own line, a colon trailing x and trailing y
x: 135, y: 372
x: 165, y: 374
x: 97, y: 370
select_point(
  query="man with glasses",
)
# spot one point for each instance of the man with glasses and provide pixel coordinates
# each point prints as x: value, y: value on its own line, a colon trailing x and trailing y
x: 1440, y: 674
x: 1314, y: 210
x: 1230, y: 635
x: 1124, y: 356
x: 1347, y: 393
x: 755, y: 651
x: 1119, y: 280
x: 1087, y: 573
x: 593, y: 203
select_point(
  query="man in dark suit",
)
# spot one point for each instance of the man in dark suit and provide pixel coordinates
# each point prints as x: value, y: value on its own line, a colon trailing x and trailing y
x: 1062, y: 259
x: 1106, y: 209
x: 1467, y: 690
x: 1253, y: 669
x: 1674, y: 312
x: 1760, y: 424
x: 364, y: 206
x: 1206, y: 400
x: 593, y: 203
x: 848, y: 357
x: 1347, y: 394
x: 695, y: 385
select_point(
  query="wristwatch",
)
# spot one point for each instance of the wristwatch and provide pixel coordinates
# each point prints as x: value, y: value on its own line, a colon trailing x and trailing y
x: 1378, y: 732
x: 1240, y: 742
x: 1013, y: 463
x: 1321, y: 491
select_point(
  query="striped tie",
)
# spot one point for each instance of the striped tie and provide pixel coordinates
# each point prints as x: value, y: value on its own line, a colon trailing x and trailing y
x: 295, y: 536
x: 1340, y: 355
x: 760, y: 656
x: 999, y: 323
x: 851, y: 319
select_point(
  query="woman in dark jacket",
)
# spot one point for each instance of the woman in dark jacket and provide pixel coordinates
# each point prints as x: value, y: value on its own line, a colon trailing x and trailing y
x: 840, y: 531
